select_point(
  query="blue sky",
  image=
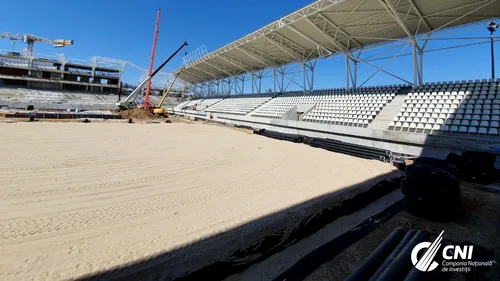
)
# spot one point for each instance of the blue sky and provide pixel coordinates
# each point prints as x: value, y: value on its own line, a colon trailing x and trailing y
x: 124, y: 29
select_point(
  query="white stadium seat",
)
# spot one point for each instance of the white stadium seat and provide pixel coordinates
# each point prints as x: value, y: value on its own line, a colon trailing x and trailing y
x: 458, y: 107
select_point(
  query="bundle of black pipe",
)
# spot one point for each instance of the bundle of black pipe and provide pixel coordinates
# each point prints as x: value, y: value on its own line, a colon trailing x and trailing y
x: 350, y: 149
x: 280, y: 136
x: 370, y: 265
x: 476, y: 167
x: 391, y: 259
x: 431, y: 189
x: 332, y: 145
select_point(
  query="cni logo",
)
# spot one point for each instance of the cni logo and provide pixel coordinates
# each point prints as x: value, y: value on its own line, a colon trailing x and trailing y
x: 427, y: 263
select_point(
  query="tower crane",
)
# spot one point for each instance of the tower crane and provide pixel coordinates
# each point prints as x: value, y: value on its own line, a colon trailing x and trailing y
x: 31, y: 39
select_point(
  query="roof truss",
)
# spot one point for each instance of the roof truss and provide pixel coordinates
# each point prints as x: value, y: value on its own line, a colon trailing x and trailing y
x: 328, y: 27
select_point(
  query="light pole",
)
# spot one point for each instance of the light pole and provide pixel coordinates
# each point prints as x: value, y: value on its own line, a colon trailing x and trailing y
x: 492, y: 27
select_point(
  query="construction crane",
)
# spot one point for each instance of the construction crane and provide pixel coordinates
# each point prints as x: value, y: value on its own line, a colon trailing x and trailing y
x: 148, y: 86
x: 31, y: 39
x: 158, y: 110
x: 130, y: 101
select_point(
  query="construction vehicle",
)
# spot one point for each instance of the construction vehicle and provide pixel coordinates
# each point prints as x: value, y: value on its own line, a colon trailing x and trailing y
x: 158, y: 110
x: 31, y: 39
x: 131, y: 101
x: 145, y: 103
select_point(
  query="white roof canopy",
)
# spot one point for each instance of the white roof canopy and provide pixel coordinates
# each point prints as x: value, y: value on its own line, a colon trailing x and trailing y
x: 328, y: 27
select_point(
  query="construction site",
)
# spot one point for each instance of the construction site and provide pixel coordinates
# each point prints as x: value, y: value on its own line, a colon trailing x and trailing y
x: 235, y: 166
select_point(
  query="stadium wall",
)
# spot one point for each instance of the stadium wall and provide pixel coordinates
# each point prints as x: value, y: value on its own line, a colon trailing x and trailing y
x: 438, y: 146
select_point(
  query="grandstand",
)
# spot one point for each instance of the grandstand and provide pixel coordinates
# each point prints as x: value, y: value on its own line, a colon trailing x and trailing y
x: 194, y: 201
x: 463, y: 106
x: 413, y: 119
x: 403, y: 118
x: 471, y: 107
x: 357, y: 107
x: 21, y: 98
x: 239, y: 105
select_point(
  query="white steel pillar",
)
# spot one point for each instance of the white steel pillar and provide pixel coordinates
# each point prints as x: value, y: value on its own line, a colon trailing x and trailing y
x: 283, y: 73
x: 347, y: 70
x: 355, y: 76
x: 304, y: 76
x: 259, y: 86
x: 242, y: 79
x: 415, y: 64
x: 421, y: 70
x: 274, y: 78
x: 417, y: 59
x: 253, y: 81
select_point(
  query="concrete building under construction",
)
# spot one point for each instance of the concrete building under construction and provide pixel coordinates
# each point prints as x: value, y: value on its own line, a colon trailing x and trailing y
x: 42, y: 73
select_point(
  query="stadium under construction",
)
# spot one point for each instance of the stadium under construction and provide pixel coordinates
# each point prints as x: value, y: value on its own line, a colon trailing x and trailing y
x: 257, y: 174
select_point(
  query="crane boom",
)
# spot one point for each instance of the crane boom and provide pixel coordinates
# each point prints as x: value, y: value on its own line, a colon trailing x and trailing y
x: 148, y: 86
x: 31, y: 39
x: 169, y: 88
x: 129, y: 101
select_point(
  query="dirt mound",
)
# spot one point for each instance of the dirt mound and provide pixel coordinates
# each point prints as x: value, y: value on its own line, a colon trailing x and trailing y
x: 137, y: 113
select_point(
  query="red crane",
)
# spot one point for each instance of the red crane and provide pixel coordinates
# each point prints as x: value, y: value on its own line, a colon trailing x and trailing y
x: 145, y: 104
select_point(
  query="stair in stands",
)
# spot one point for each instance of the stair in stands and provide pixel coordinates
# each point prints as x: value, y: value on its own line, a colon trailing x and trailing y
x: 384, y: 118
x: 262, y: 104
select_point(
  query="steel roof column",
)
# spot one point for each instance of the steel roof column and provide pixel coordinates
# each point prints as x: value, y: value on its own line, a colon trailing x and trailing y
x: 304, y: 76
x: 274, y: 79
x: 421, y: 67
x: 417, y: 60
x: 253, y: 81
x: 347, y: 70
x: 355, y: 78
x: 414, y: 63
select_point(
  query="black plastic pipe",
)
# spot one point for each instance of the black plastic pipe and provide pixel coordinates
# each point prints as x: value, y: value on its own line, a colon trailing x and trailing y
x: 327, y: 142
x: 348, y: 153
x: 401, y: 265
x: 350, y: 144
x: 371, y: 155
x: 415, y: 275
x: 348, y: 148
x: 393, y: 255
x: 375, y: 259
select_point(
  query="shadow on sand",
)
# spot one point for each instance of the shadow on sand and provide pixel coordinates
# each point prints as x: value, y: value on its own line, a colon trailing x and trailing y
x: 218, y: 256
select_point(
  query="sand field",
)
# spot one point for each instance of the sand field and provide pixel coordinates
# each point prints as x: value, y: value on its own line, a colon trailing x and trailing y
x: 81, y: 198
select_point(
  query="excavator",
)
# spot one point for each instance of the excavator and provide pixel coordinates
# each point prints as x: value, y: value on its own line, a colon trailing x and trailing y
x: 158, y: 111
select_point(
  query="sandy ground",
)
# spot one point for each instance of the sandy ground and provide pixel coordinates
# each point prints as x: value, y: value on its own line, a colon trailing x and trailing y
x: 80, y: 198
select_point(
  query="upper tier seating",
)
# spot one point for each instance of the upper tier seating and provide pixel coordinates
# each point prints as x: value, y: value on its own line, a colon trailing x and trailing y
x: 469, y: 107
x: 190, y: 105
x: 341, y: 107
x: 279, y: 105
x: 181, y: 105
x: 60, y: 97
x: 206, y: 103
x: 240, y: 105
x: 197, y: 104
